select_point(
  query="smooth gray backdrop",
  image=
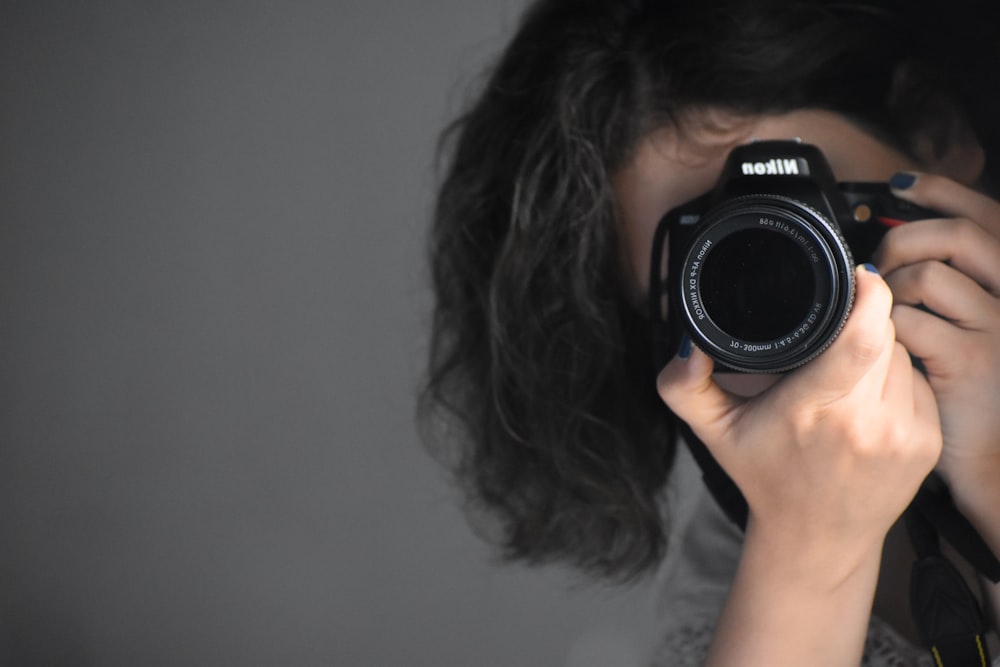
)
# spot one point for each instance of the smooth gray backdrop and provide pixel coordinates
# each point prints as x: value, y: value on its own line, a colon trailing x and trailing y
x: 212, y: 322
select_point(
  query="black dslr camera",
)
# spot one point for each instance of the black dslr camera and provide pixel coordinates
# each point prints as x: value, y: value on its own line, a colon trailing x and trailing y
x: 761, y: 269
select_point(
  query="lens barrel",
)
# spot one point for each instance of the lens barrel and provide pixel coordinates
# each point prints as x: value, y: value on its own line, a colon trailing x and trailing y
x: 766, y: 283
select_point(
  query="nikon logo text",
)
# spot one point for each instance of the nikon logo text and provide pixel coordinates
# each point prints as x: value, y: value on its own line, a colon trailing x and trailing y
x: 778, y: 167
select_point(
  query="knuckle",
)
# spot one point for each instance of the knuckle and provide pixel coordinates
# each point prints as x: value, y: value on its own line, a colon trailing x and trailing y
x: 801, y: 422
x: 841, y: 423
x: 935, y: 444
x: 864, y: 443
x: 899, y: 433
x: 859, y: 439
x: 926, y: 274
x: 893, y: 439
x: 962, y: 232
x: 861, y: 347
x: 927, y: 450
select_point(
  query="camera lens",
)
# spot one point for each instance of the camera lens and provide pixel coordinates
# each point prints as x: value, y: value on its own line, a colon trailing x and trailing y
x: 757, y: 285
x: 766, y: 283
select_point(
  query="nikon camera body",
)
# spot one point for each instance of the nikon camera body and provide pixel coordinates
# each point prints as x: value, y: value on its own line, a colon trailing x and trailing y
x: 761, y: 268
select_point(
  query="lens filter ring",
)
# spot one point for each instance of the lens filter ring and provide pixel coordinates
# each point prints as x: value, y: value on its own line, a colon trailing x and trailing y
x: 766, y: 284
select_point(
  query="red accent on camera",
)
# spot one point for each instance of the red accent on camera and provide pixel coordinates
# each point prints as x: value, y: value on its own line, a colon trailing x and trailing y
x: 890, y: 222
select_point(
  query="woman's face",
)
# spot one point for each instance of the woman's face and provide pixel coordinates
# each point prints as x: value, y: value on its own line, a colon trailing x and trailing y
x: 670, y: 168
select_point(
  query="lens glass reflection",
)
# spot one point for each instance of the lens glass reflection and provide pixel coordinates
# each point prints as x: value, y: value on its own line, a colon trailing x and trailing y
x: 757, y: 285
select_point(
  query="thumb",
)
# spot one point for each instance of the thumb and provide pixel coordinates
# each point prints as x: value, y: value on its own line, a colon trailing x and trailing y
x: 686, y: 385
x: 860, y: 348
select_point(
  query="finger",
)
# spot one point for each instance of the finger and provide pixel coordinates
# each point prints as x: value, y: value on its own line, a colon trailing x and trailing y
x: 897, y: 391
x: 910, y: 399
x: 950, y: 198
x: 957, y: 241
x: 882, y: 383
x: 946, y: 291
x: 856, y: 351
x: 871, y: 387
x: 688, y: 388
x: 927, y: 337
x: 926, y: 420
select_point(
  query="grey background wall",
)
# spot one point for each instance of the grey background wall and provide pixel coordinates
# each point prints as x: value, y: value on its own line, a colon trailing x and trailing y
x: 212, y: 322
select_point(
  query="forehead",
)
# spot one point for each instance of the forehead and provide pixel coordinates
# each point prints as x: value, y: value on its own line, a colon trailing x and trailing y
x: 671, y: 167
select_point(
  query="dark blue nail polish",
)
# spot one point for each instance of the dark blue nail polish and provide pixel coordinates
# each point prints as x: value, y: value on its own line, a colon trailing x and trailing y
x: 871, y: 268
x: 902, y: 180
x: 684, y: 351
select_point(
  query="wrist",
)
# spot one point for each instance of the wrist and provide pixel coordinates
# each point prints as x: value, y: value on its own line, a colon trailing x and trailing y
x: 976, y: 493
x: 970, y: 471
x: 812, y: 560
x: 795, y: 598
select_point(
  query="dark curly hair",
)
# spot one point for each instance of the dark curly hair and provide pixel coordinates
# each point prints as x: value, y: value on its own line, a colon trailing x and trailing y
x: 540, y: 379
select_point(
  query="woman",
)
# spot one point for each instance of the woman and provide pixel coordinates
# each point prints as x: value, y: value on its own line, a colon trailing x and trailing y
x: 599, y: 118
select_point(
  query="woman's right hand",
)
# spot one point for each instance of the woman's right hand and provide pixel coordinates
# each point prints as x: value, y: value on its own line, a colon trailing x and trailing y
x: 827, y: 458
x: 831, y: 455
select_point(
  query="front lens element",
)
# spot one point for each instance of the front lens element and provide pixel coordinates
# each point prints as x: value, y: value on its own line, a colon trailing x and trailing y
x: 766, y: 283
x: 757, y: 285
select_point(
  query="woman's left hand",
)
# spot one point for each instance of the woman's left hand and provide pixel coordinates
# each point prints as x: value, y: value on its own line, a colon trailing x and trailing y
x: 951, y: 267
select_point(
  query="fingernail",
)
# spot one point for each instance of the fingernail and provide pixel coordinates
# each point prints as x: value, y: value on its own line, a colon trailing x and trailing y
x: 871, y: 268
x: 902, y: 180
x: 684, y: 351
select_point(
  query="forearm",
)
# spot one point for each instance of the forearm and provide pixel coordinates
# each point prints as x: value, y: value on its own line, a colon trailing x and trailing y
x: 977, y: 496
x: 792, y: 606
